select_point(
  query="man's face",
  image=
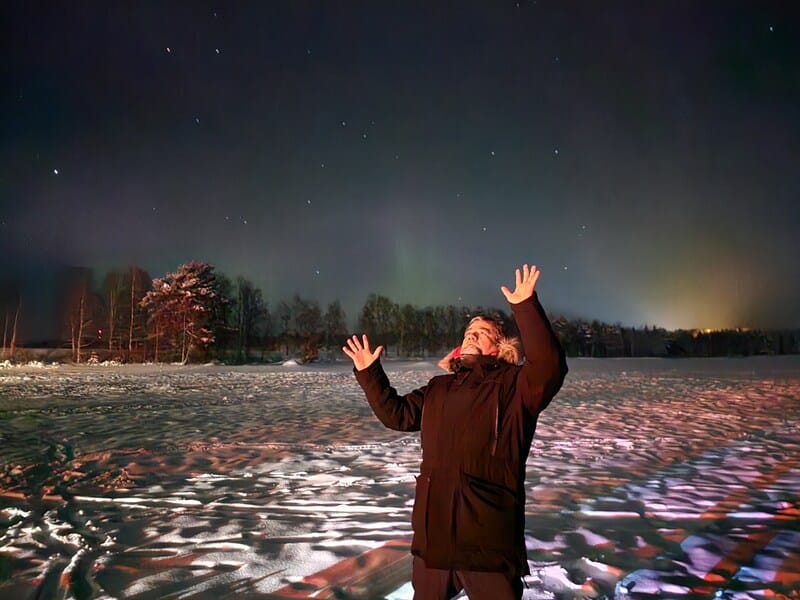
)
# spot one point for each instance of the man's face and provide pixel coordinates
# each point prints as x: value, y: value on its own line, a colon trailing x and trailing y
x: 480, y: 337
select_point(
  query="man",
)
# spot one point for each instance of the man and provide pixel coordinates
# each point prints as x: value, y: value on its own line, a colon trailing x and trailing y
x: 477, y: 425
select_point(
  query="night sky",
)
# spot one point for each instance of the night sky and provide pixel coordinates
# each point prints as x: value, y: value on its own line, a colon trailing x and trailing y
x: 645, y: 155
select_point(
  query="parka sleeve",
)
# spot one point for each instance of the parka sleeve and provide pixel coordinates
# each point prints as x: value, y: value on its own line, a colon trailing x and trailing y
x: 545, y: 362
x: 399, y: 412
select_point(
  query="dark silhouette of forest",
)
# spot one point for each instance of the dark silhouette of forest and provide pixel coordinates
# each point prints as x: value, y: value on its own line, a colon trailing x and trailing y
x: 197, y: 314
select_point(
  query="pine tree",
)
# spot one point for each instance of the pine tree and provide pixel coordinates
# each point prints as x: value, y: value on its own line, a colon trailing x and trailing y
x: 180, y: 307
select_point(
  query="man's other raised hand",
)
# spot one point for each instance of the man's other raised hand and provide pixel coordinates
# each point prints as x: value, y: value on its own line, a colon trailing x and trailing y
x: 360, y: 353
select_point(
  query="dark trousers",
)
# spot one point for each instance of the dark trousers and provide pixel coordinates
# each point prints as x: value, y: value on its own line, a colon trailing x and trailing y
x: 442, y: 584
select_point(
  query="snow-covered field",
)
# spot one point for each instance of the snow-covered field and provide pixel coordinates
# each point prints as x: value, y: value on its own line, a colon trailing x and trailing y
x: 648, y: 478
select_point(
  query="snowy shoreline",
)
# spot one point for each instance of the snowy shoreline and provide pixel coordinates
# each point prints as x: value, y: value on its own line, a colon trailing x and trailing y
x: 783, y: 365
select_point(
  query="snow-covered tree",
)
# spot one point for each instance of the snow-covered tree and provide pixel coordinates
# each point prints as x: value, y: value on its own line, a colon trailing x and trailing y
x: 180, y: 306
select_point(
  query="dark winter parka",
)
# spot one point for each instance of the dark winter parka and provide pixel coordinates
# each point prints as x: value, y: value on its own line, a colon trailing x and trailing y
x: 477, y: 425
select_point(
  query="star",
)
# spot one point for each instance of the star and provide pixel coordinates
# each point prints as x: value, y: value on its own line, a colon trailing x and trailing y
x: 492, y: 152
x: 344, y: 123
x: 322, y: 165
x: 197, y: 120
x: 308, y: 202
x: 565, y: 267
x: 55, y: 171
x: 771, y: 28
x: 316, y: 271
x: 169, y: 49
x: 555, y: 151
x: 363, y: 136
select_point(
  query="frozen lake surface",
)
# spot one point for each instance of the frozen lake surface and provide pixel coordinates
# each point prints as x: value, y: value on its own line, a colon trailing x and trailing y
x: 648, y: 478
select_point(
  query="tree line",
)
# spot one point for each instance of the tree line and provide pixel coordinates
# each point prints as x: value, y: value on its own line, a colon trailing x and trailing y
x: 192, y: 314
x: 198, y: 314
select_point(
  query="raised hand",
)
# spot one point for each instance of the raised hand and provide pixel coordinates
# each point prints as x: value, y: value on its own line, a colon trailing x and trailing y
x: 526, y: 283
x: 360, y: 353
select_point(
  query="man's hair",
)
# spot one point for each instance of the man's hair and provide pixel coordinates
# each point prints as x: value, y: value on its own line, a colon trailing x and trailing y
x: 496, y: 322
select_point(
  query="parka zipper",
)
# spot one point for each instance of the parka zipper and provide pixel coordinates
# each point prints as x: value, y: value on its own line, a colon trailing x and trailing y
x: 496, y: 432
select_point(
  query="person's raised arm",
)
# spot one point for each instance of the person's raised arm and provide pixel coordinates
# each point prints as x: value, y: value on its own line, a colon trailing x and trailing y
x: 545, y: 363
x: 403, y: 413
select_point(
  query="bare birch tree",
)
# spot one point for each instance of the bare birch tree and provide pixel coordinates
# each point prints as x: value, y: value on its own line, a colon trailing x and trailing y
x: 5, y: 333
x: 13, y: 344
x: 133, y: 309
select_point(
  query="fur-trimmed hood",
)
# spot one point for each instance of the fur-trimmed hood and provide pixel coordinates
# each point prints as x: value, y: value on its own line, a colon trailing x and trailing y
x: 507, y: 351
